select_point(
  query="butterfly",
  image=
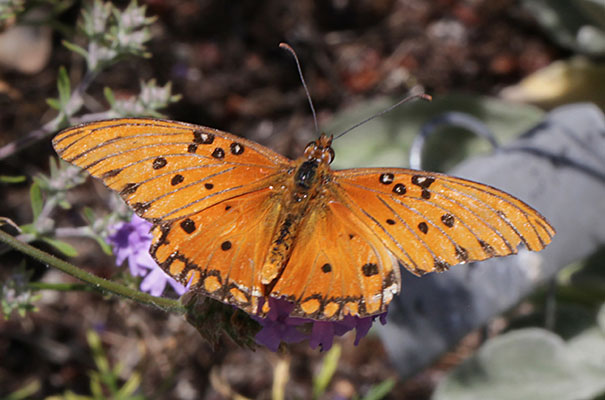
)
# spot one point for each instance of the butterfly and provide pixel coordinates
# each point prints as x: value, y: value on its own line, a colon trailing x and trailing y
x: 242, y: 224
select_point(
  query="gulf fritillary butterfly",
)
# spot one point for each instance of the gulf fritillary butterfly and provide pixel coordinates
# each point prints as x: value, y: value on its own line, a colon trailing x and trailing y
x: 242, y: 223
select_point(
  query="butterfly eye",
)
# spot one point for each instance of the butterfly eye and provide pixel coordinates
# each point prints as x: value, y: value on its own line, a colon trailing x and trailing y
x: 310, y: 149
x: 331, y: 154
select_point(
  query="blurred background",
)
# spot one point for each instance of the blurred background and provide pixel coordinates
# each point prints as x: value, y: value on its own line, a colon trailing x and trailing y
x: 506, y: 62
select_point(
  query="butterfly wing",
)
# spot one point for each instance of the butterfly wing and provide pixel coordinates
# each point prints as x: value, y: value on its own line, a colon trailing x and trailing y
x: 208, y: 193
x: 167, y: 170
x: 338, y: 266
x: 220, y: 250
x: 430, y: 221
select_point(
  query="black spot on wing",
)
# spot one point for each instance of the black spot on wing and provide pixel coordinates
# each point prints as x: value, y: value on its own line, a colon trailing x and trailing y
x: 236, y: 148
x: 159, y: 162
x: 369, y: 269
x: 441, y: 265
x: 487, y: 248
x: 129, y: 189
x: 178, y: 178
x: 386, y: 178
x: 389, y: 280
x: 218, y: 153
x: 111, y: 173
x: 448, y: 220
x: 422, y: 181
x: 201, y: 137
x: 399, y: 189
x: 140, y: 208
x: 188, y: 226
x: 461, y: 254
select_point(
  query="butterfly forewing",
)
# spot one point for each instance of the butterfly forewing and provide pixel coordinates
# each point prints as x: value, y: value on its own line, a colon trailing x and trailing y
x: 430, y: 221
x: 168, y: 170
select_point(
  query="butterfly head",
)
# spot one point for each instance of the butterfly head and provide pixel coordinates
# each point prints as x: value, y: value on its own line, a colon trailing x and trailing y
x: 320, y: 150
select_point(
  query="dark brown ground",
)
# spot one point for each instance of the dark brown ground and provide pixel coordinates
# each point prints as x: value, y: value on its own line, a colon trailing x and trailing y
x: 223, y: 57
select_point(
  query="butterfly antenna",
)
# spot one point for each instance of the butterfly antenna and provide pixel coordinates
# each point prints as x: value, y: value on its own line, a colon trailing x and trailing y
x: 287, y: 47
x: 423, y: 96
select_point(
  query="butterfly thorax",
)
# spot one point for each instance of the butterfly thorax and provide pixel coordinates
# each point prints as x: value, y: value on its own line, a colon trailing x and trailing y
x: 308, y: 181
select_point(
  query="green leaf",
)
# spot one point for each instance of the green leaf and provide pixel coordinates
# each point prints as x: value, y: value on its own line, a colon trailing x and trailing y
x: 530, y: 364
x: 94, y: 342
x: 12, y: 179
x: 104, y: 245
x: 63, y: 86
x: 89, y: 215
x: 109, y: 96
x: 65, y: 248
x: 64, y: 204
x: 380, y: 391
x: 53, y: 166
x: 25, y: 392
x: 28, y: 228
x: 53, y: 103
x: 330, y: 363
x: 35, y: 197
x: 95, y: 385
x: 130, y: 386
x: 75, y: 48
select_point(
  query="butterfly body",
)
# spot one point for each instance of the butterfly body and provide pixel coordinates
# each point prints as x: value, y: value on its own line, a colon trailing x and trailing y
x: 308, y: 180
x: 241, y: 223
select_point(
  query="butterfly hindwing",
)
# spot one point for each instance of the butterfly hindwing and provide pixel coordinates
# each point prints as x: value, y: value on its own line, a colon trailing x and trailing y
x: 219, y: 251
x: 168, y: 170
x: 337, y: 267
x: 431, y: 221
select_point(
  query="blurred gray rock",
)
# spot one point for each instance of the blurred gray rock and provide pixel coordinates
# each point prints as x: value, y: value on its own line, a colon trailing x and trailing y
x: 558, y: 167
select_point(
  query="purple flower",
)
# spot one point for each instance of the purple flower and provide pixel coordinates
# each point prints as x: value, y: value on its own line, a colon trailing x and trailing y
x: 279, y: 327
x: 131, y: 241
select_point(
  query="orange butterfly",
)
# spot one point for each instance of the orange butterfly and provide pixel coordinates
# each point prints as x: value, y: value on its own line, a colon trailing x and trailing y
x: 243, y: 223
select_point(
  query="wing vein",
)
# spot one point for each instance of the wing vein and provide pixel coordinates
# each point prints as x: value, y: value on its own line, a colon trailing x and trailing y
x: 506, y: 200
x: 162, y: 124
x: 195, y: 155
x: 341, y: 193
x: 498, y: 214
x: 424, y: 243
x: 412, y: 209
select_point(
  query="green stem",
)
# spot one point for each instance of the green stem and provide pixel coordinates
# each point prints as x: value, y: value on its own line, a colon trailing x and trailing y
x: 168, y: 305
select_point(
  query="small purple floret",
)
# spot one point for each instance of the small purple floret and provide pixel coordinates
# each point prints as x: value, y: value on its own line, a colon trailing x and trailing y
x: 131, y: 241
x: 279, y: 327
